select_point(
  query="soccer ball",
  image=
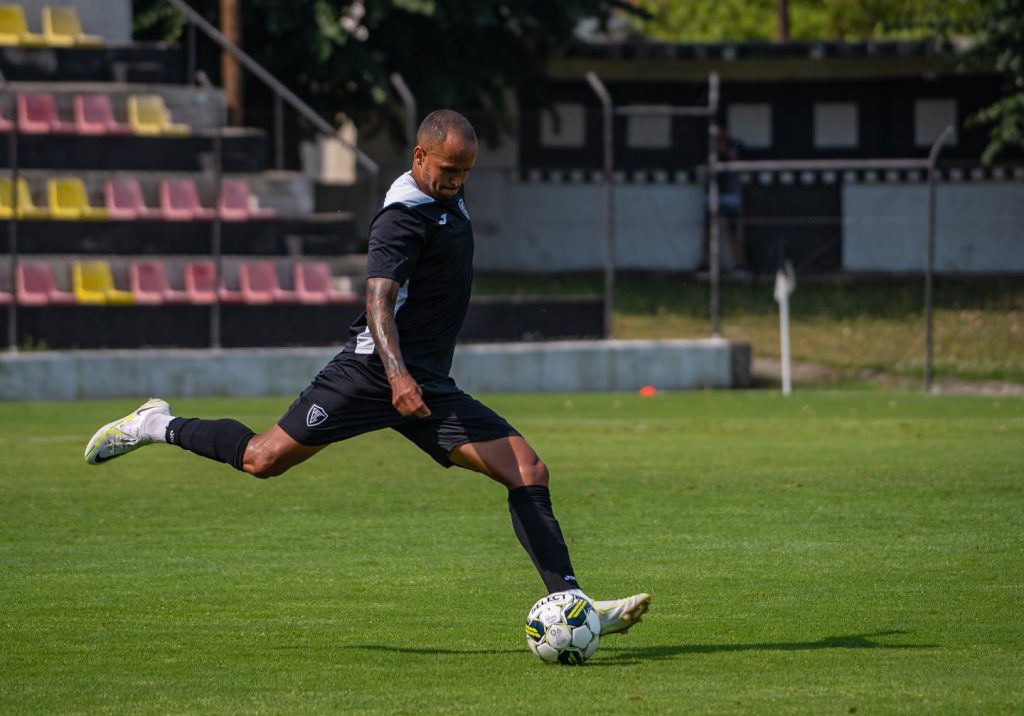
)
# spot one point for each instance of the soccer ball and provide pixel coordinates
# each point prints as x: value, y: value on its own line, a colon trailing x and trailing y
x: 563, y: 628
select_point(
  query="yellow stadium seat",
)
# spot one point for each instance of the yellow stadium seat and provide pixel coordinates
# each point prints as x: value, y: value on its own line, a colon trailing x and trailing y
x: 63, y: 28
x: 94, y: 285
x: 147, y: 114
x: 68, y: 199
x: 26, y: 209
x: 14, y: 29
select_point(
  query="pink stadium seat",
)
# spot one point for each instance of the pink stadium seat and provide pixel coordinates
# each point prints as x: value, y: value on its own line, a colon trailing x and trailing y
x: 36, y: 286
x: 238, y: 204
x: 179, y: 201
x: 123, y: 198
x: 95, y: 115
x: 37, y: 114
x: 200, y: 279
x: 313, y: 285
x: 150, y: 285
x: 258, y: 280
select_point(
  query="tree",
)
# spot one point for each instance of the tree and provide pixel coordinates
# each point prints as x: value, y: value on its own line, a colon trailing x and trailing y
x: 997, y: 36
x: 463, y: 54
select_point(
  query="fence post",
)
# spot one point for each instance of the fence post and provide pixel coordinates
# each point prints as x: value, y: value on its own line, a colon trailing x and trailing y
x: 215, y: 242
x: 12, y: 226
x: 608, y: 144
x: 714, y: 245
x: 929, y: 265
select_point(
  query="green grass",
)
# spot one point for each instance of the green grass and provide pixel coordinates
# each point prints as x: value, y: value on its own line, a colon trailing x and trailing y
x: 847, y: 326
x: 830, y: 553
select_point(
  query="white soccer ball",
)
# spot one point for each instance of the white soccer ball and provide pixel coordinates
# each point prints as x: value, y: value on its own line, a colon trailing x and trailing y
x: 563, y: 628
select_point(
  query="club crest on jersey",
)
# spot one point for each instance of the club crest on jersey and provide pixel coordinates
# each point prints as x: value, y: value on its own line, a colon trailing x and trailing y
x: 462, y: 207
x: 315, y: 416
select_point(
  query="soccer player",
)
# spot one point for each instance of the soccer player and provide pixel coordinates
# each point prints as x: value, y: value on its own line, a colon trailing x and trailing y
x: 393, y: 371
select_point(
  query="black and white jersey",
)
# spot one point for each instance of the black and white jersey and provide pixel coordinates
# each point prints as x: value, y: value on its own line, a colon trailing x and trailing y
x: 426, y: 246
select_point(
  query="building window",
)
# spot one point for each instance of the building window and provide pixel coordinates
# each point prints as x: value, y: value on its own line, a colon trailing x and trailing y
x: 751, y: 124
x: 565, y: 127
x: 931, y: 117
x: 649, y: 132
x: 836, y: 125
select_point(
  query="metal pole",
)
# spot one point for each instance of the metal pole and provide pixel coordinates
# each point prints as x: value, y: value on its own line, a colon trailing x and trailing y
x: 215, y: 243
x: 714, y: 258
x: 929, y: 266
x: 409, y: 101
x: 609, y: 198
x: 12, y: 227
x: 278, y: 132
x: 190, y: 42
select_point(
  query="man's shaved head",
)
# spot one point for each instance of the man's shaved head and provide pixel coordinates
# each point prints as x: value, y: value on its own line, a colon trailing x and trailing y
x: 437, y: 126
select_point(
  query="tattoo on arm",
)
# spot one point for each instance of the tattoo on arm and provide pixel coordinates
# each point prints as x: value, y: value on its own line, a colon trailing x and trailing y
x: 381, y: 296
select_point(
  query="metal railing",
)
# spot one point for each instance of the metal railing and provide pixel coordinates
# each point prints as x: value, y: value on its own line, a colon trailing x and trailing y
x: 281, y: 95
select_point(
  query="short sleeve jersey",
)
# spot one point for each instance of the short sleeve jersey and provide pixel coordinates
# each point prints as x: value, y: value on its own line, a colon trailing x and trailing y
x: 426, y: 246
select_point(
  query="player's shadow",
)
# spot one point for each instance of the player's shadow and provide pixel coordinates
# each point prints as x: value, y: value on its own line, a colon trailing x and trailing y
x: 612, y: 655
x: 619, y: 655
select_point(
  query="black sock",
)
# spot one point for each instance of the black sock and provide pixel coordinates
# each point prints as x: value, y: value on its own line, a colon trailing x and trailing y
x: 222, y: 440
x: 538, y: 531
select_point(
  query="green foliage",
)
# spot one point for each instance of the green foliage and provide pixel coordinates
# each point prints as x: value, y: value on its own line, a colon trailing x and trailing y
x: 822, y: 554
x: 462, y: 54
x: 998, y: 38
x: 737, y: 20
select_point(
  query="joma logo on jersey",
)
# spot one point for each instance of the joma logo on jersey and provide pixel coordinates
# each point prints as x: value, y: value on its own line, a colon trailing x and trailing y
x: 315, y: 416
x: 443, y: 220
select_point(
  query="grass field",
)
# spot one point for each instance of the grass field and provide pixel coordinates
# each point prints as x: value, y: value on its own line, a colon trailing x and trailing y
x: 831, y: 553
x: 848, y: 327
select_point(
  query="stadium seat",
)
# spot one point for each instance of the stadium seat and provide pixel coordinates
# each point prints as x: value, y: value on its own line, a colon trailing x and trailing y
x: 200, y: 279
x: 150, y: 285
x: 123, y: 199
x: 37, y: 114
x: 14, y: 28
x: 179, y: 201
x: 237, y: 203
x: 95, y: 115
x: 37, y: 287
x: 68, y: 199
x: 63, y: 28
x: 313, y: 285
x: 258, y: 280
x: 148, y: 115
x: 26, y: 208
x: 93, y: 283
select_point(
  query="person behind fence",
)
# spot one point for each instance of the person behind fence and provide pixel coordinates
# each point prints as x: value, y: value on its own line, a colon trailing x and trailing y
x: 730, y: 209
x: 394, y: 370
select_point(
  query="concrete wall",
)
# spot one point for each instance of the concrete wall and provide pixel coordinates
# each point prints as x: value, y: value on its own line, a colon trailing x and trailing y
x: 979, y: 227
x: 550, y: 227
x: 511, y: 367
x: 111, y: 19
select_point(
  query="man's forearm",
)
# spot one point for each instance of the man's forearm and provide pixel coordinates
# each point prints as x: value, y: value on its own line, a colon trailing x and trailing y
x: 381, y: 296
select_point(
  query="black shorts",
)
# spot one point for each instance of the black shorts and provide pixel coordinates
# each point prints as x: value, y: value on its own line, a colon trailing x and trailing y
x: 352, y: 396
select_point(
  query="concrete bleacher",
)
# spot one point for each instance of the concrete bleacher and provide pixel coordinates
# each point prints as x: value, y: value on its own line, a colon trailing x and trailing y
x: 116, y: 170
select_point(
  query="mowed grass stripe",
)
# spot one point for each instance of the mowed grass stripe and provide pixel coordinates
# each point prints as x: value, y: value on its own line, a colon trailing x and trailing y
x: 813, y: 555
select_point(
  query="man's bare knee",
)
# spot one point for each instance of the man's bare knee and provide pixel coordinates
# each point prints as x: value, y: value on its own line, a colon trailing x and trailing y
x: 264, y: 467
x: 534, y: 473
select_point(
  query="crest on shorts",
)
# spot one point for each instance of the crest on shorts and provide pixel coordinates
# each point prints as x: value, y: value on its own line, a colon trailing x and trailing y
x: 315, y: 416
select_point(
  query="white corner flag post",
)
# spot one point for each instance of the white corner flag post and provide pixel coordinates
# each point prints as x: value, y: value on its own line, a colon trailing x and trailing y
x: 785, y: 283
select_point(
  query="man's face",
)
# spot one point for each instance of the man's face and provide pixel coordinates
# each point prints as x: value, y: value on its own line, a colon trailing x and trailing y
x: 441, y: 170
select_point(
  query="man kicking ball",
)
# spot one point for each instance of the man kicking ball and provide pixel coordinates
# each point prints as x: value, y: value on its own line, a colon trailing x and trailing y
x: 393, y: 371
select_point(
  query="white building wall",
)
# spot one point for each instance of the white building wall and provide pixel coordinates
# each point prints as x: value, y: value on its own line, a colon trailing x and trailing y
x: 551, y: 226
x: 979, y: 227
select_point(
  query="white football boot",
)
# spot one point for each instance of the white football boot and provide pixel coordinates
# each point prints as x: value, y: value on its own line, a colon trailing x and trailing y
x: 618, y: 615
x: 125, y: 434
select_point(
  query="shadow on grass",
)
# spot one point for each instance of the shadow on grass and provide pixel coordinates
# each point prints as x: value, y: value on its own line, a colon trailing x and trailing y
x: 613, y: 655
x: 621, y: 654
